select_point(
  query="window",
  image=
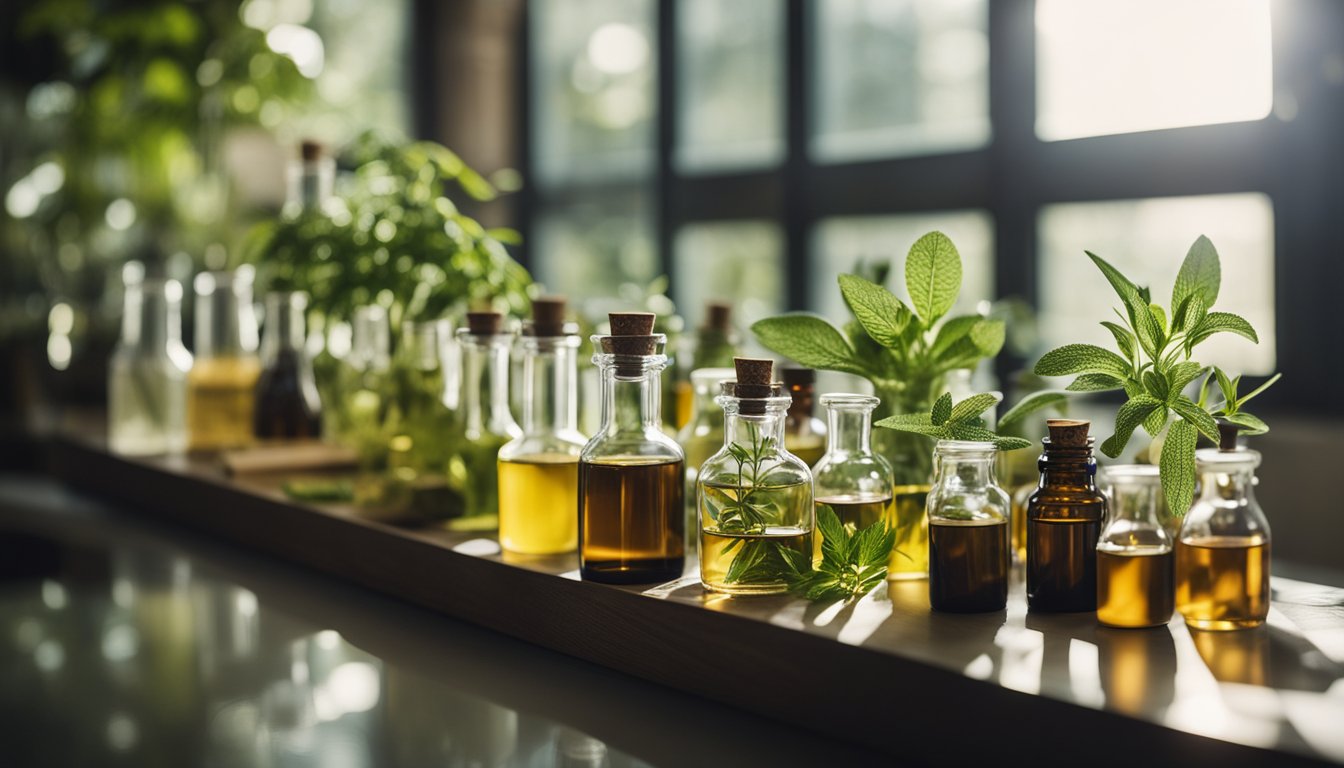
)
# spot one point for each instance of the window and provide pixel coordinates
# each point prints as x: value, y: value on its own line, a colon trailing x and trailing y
x: 738, y: 261
x: 588, y: 249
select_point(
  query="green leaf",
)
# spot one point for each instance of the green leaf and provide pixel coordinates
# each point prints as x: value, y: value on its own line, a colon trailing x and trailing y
x: 1250, y: 425
x: 834, y: 539
x: 1146, y: 329
x: 953, y: 330
x: 1222, y: 322
x: 1226, y: 386
x: 809, y: 340
x: 973, y: 406
x: 1177, y: 467
x: 1006, y: 444
x: 1123, y: 338
x: 933, y: 276
x: 1131, y: 414
x: 942, y: 410
x: 1180, y: 376
x: 1030, y: 404
x: 1160, y: 316
x: 1242, y: 400
x: 882, y: 315
x: 1200, y: 275
x: 1155, y: 383
x: 1081, y: 358
x: 1095, y: 382
x: 1126, y: 290
x: 1191, y: 311
x: 1204, y: 390
x: 1186, y: 409
x: 1156, y: 420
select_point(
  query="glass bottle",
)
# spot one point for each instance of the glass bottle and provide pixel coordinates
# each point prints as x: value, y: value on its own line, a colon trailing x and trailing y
x: 631, y: 474
x: 358, y: 417
x: 1222, y: 553
x: 310, y: 180
x: 968, y: 530
x: 287, y: 401
x: 222, y: 384
x: 539, y: 471
x: 715, y: 345
x: 804, y: 433
x: 701, y: 437
x: 1135, y: 563
x: 1064, y: 518
x: 147, y: 376
x: 753, y: 495
x: 850, y: 479
x: 486, y: 421
x: 420, y: 422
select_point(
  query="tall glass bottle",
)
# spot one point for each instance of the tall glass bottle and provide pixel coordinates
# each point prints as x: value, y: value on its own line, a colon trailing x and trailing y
x: 754, y: 496
x: 850, y: 479
x: 631, y: 475
x: 1222, y: 553
x: 715, y: 345
x: 421, y: 425
x: 804, y: 433
x: 968, y: 530
x: 1064, y: 518
x: 287, y: 401
x: 358, y: 417
x: 222, y: 385
x: 486, y: 421
x: 147, y: 376
x: 310, y: 179
x: 1135, y: 563
x: 539, y: 471
x: 702, y: 437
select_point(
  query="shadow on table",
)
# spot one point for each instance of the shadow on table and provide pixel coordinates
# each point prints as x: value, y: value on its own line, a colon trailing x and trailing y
x: 1267, y: 656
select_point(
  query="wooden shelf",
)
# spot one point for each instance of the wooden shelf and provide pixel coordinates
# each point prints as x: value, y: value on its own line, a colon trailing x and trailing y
x: 884, y: 673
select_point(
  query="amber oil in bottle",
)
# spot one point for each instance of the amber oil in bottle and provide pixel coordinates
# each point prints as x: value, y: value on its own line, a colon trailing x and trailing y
x: 1064, y: 518
x: 968, y: 530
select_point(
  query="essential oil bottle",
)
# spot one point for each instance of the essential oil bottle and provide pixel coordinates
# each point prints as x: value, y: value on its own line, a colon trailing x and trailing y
x: 222, y: 384
x: 804, y: 433
x: 1135, y: 562
x: 850, y: 479
x: 968, y: 530
x: 701, y: 437
x: 486, y: 420
x: 1064, y: 518
x: 287, y: 401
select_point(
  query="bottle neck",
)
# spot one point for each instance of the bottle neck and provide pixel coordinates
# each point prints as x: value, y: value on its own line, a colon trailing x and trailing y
x: 311, y: 184
x: 848, y: 430
x: 965, y: 470
x: 284, y: 326
x: 485, y: 386
x: 1227, y: 483
x: 1068, y: 466
x: 151, y: 321
x: 550, y: 385
x: 226, y: 325
x: 748, y: 430
x: 1136, y: 501
x: 632, y: 400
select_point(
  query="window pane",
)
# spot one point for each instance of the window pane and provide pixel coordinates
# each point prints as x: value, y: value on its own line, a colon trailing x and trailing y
x: 587, y: 249
x: 1104, y: 67
x: 899, y: 78
x: 739, y: 261
x: 1146, y: 240
x: 731, y: 109
x: 593, y: 74
x: 839, y: 244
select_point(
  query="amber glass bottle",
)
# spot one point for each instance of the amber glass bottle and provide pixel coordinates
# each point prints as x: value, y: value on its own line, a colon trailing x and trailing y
x: 804, y: 433
x: 287, y: 402
x: 1064, y: 519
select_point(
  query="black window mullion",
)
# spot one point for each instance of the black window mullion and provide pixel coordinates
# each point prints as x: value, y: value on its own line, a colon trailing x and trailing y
x: 798, y: 209
x: 666, y: 222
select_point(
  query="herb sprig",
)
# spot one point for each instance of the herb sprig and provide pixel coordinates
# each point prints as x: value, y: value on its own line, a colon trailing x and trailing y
x: 1230, y: 410
x: 962, y: 421
x: 851, y: 564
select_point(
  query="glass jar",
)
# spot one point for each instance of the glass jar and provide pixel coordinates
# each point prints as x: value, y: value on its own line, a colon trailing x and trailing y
x: 1135, y: 563
x: 1222, y: 554
x: 753, y: 496
x: 804, y: 433
x: 222, y: 385
x: 287, y: 401
x: 1064, y: 518
x: 968, y: 530
x: 850, y: 479
x: 147, y: 376
x: 631, y: 474
x: 487, y: 423
x: 701, y: 438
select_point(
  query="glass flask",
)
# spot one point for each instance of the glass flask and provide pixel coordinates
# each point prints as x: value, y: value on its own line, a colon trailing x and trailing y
x: 1064, y: 518
x: 804, y: 433
x: 754, y: 496
x: 1222, y: 552
x: 852, y: 480
x: 702, y: 437
x: 420, y: 423
x: 487, y: 423
x: 147, y: 375
x: 968, y: 530
x: 222, y: 384
x: 358, y: 416
x: 539, y: 472
x: 631, y: 474
x: 287, y: 401
x: 1135, y: 562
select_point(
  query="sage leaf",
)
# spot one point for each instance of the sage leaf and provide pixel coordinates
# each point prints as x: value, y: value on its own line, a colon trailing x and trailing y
x: 1180, y: 376
x: 1032, y: 403
x: 1123, y: 338
x: 933, y: 276
x: 882, y: 315
x: 942, y: 410
x: 1177, y: 467
x: 1095, y: 382
x: 973, y: 406
x: 1223, y: 322
x: 1131, y: 414
x: 1081, y: 358
x: 1250, y: 425
x: 809, y: 340
x: 1200, y: 275
x: 1187, y: 410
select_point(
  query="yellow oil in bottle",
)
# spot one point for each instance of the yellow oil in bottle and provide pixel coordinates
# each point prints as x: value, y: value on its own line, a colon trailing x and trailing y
x: 856, y: 511
x: 539, y: 504
x: 631, y: 520
x: 221, y: 396
x: 1222, y: 582
x: 1135, y: 587
x: 719, y: 551
x: 809, y: 448
x: 910, y: 556
x: 685, y: 395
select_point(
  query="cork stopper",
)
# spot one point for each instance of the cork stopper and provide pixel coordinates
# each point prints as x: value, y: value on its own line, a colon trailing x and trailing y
x: 484, y: 323
x: 548, y: 317
x: 310, y: 150
x: 631, y: 334
x: 797, y: 378
x: 1227, y: 436
x: 718, y: 316
x: 753, y: 383
x: 1068, y: 433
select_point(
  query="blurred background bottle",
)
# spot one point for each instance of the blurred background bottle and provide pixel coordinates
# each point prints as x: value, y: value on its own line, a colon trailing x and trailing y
x: 221, y: 388
x: 147, y: 376
x: 287, y: 402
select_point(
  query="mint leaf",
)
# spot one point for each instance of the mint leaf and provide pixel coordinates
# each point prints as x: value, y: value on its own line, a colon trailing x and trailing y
x: 942, y: 410
x: 1031, y: 404
x: 809, y: 340
x: 1189, y: 313
x: 1156, y: 420
x: 882, y: 315
x: 1131, y: 414
x: 1081, y: 358
x: 933, y: 276
x: 985, y: 339
x: 1095, y: 382
x: 1186, y: 409
x: 1123, y: 338
x: 973, y: 406
x: 1200, y: 275
x: 1136, y: 300
x: 918, y: 423
x: 1180, y: 376
x: 1222, y: 322
x: 953, y: 330
x: 1242, y: 400
x: 1177, y: 467
x: 1160, y: 316
x: 1250, y: 425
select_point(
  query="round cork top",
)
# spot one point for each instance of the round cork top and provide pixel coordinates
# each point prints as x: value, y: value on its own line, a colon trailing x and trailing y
x: 1227, y: 436
x: 548, y: 317
x: 310, y: 150
x: 718, y: 316
x: 753, y: 382
x: 631, y: 334
x: 795, y: 376
x: 1068, y: 433
x: 484, y: 323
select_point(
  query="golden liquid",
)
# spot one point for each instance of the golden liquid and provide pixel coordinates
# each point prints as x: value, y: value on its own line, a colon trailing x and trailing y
x: 910, y: 556
x: 221, y: 397
x: 539, y: 504
x: 1222, y: 582
x: 1235, y: 657
x: 810, y: 449
x: 968, y: 565
x: 1136, y: 588
x: 685, y: 404
x: 719, y: 550
x: 1062, y: 564
x: 856, y: 511
x: 631, y: 520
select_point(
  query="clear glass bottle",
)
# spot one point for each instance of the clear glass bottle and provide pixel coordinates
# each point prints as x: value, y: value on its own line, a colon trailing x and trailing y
x: 753, y: 495
x: 310, y: 180
x: 1064, y: 519
x: 701, y: 437
x: 487, y: 423
x: 631, y: 474
x: 804, y: 433
x: 222, y: 385
x: 850, y: 479
x: 539, y: 472
x: 1135, y: 562
x: 1222, y: 553
x: 714, y: 345
x: 420, y: 422
x: 287, y: 402
x: 147, y: 376
x: 968, y: 530
x: 359, y: 416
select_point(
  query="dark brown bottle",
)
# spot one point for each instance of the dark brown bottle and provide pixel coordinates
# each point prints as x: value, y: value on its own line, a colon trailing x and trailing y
x: 1064, y: 518
x: 287, y: 404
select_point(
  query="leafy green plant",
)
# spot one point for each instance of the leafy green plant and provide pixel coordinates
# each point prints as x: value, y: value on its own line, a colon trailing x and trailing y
x: 962, y: 421
x: 1230, y: 409
x: 1154, y: 364
x: 851, y: 564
